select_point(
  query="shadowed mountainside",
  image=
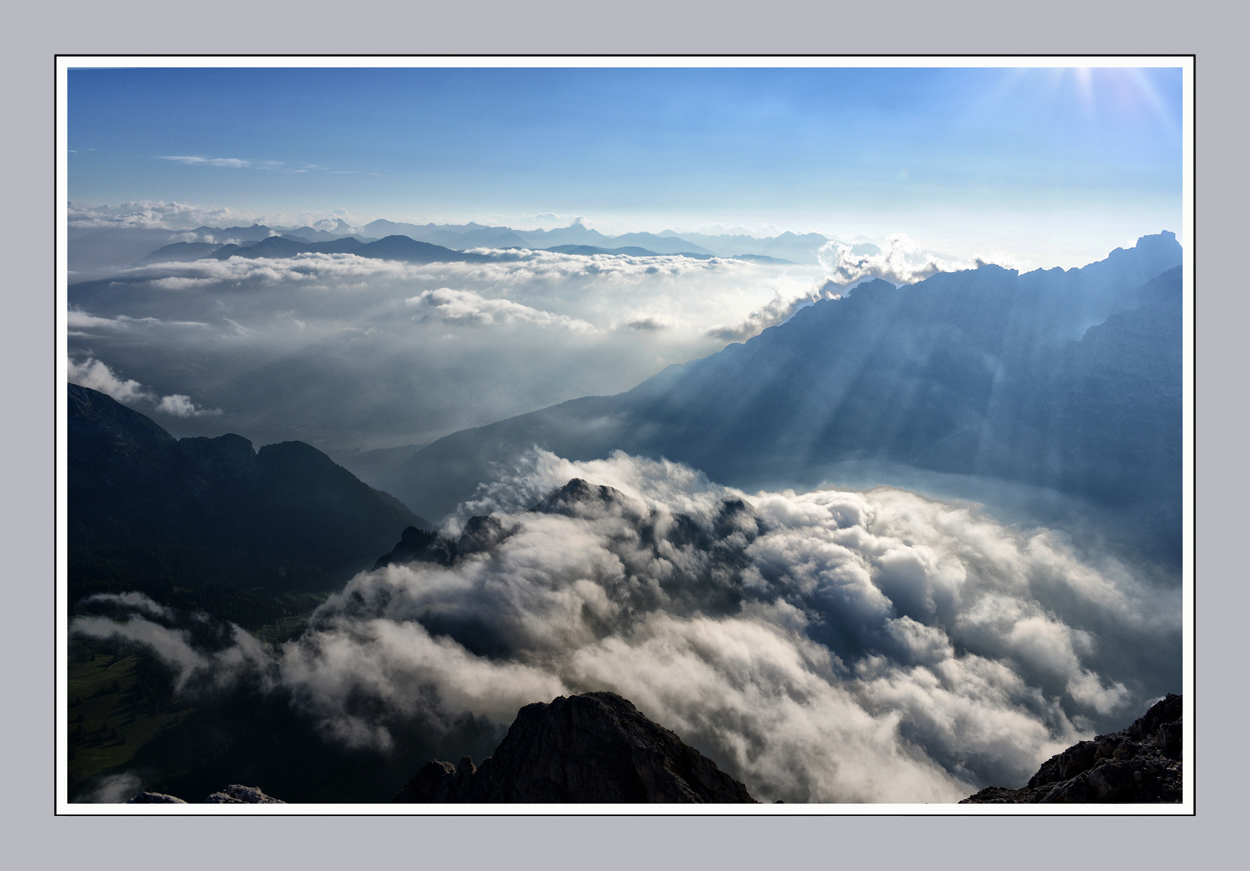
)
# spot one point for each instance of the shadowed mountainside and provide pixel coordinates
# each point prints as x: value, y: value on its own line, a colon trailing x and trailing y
x: 1063, y: 380
x: 144, y: 505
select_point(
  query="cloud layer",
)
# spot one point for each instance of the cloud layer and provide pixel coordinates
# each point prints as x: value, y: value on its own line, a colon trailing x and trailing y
x: 827, y: 646
x: 348, y: 352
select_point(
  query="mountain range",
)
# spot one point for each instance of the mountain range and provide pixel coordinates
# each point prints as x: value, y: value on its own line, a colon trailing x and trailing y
x: 96, y: 250
x: 1065, y: 380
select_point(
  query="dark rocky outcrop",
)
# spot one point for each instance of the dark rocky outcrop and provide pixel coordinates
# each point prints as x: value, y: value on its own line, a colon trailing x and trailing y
x: 155, y: 798
x: 232, y: 794
x: 591, y: 748
x: 236, y: 794
x: 1135, y: 765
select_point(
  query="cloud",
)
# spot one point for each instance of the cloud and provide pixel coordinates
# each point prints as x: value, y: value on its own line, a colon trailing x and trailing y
x: 232, y: 162
x: 778, y: 310
x: 98, y: 376
x: 181, y: 406
x: 372, y: 364
x: 154, y: 215
x: 466, y: 308
x: 901, y: 261
x: 135, y: 601
x: 78, y: 320
x: 822, y: 646
x: 113, y: 789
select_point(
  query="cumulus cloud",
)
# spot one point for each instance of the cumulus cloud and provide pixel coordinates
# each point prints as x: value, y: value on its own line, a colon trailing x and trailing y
x: 900, y: 261
x: 466, y: 308
x: 98, y: 376
x: 828, y: 646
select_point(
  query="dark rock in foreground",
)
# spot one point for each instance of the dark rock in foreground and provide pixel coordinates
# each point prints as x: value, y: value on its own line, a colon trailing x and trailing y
x: 591, y: 748
x: 232, y: 794
x: 1139, y: 764
x: 155, y: 798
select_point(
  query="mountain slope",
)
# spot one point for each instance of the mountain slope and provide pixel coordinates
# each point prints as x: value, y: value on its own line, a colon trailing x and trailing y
x: 1065, y: 380
x: 212, y: 510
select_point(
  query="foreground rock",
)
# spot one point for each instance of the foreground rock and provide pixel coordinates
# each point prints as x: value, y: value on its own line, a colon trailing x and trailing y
x: 232, y: 794
x: 1139, y: 764
x: 591, y: 748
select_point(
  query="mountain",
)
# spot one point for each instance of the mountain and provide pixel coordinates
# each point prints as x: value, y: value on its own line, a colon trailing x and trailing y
x: 411, y: 251
x: 179, y: 252
x: 660, y: 244
x: 1068, y: 380
x: 591, y: 250
x: 1139, y: 764
x: 254, y: 233
x: 147, y: 511
x: 589, y: 748
x: 787, y: 246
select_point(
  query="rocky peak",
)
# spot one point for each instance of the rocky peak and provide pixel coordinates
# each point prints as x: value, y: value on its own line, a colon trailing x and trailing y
x: 590, y: 748
x: 1139, y: 764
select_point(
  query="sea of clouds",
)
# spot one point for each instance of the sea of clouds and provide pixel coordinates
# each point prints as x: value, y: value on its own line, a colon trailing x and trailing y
x: 347, y: 352
x: 829, y: 646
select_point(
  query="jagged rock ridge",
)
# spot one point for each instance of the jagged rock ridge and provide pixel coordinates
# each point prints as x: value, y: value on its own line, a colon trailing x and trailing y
x: 1139, y: 764
x: 590, y: 748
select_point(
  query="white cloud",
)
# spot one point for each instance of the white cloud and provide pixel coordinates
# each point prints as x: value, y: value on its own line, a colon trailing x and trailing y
x: 826, y: 646
x: 466, y: 308
x: 95, y: 374
x: 232, y: 162
x: 899, y: 260
x: 181, y: 406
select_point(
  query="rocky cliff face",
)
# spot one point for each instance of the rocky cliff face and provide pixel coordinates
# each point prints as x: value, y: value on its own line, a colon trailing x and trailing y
x: 591, y: 748
x: 1139, y: 764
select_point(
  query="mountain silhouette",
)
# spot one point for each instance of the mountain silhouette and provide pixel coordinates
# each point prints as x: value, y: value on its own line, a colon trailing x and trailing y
x: 213, y: 510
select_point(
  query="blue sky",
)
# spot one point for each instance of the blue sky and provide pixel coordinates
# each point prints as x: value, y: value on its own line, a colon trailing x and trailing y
x: 987, y: 158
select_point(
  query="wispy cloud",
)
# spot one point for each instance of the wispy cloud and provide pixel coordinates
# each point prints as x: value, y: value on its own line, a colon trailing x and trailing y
x: 240, y: 163
x: 98, y: 376
x: 191, y: 160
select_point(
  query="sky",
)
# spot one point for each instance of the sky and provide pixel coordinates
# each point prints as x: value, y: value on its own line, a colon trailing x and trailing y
x: 1060, y: 165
